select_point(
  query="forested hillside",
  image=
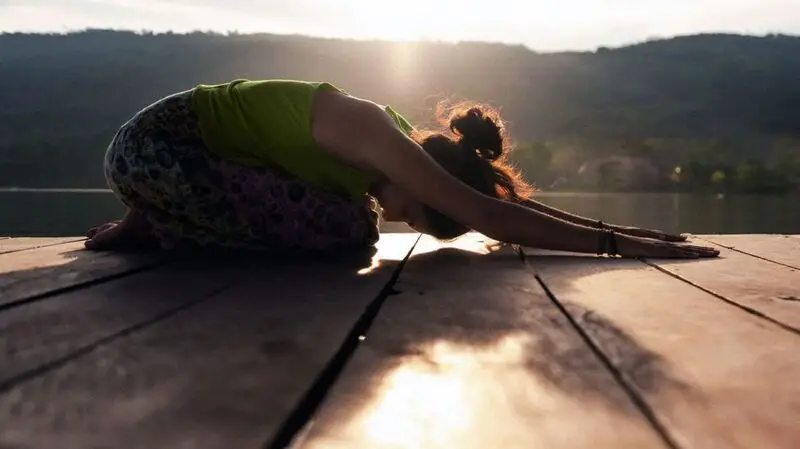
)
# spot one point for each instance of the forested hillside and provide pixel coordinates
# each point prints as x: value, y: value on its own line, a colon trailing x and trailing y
x: 705, y: 112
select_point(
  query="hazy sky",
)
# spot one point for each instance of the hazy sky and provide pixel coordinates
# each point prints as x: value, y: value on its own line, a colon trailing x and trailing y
x: 542, y: 25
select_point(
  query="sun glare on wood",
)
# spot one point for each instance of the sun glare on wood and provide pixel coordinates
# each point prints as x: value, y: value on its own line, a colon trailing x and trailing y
x: 433, y: 400
x: 35, y: 260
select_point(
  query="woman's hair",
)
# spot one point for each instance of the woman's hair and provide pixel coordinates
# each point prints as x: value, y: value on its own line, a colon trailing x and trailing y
x: 473, y: 147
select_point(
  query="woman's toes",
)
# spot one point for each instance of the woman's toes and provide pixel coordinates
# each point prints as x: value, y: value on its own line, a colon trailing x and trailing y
x: 98, y: 229
x: 106, y: 238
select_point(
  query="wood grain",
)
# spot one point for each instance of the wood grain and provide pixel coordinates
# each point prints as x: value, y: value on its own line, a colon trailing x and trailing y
x: 782, y: 249
x: 37, y: 334
x: 222, y: 374
x: 38, y: 271
x: 715, y: 376
x: 8, y: 245
x: 472, y: 354
x: 760, y: 286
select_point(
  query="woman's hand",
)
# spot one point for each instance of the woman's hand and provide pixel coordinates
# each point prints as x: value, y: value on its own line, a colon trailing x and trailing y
x: 649, y: 233
x: 630, y: 246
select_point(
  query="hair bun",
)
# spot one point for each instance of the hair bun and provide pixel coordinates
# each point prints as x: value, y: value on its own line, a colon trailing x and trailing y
x: 479, y: 132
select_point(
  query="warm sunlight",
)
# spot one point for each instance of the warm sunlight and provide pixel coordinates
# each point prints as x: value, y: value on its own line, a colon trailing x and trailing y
x: 33, y: 260
x: 575, y: 24
x: 411, y: 19
x: 520, y: 389
x: 409, y: 392
x: 434, y: 399
x: 389, y: 247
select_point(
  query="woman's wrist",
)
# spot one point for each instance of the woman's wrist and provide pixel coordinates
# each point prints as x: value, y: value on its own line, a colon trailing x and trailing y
x: 607, y: 241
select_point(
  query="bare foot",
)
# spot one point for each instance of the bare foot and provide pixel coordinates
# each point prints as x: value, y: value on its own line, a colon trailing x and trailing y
x: 131, y: 232
x: 98, y: 229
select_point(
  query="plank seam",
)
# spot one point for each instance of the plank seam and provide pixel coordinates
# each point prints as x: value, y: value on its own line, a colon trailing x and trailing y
x: 731, y: 302
x: 295, y: 426
x: 14, y: 381
x: 86, y: 284
x: 40, y: 246
x: 639, y: 402
x: 749, y: 254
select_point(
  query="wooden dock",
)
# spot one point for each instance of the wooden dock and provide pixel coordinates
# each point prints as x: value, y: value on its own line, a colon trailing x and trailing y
x: 418, y: 345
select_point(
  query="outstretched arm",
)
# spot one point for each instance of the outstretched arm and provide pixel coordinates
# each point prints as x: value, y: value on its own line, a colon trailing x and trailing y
x: 577, y: 219
x: 369, y: 138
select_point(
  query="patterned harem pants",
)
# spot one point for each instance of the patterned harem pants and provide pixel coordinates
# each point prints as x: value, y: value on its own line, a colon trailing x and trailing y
x: 158, y: 165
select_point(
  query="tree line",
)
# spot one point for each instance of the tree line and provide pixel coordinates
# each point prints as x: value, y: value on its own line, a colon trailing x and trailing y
x: 696, y: 113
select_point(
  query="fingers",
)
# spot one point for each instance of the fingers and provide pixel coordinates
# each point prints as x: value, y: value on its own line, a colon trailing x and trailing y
x: 705, y: 251
x: 672, y: 250
x: 656, y: 248
x: 684, y: 251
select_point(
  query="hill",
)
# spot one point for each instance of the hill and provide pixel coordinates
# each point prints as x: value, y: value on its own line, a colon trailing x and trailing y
x: 722, y: 107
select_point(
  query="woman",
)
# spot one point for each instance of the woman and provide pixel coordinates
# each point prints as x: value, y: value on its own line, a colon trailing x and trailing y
x: 281, y: 163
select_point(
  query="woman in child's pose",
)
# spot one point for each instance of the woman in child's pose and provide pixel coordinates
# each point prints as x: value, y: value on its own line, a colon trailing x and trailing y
x: 294, y: 164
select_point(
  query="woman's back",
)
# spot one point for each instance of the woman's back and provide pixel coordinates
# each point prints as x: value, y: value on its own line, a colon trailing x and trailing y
x: 268, y: 122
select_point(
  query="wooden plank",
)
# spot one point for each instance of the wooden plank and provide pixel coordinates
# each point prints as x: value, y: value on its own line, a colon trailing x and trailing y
x: 717, y: 377
x: 472, y: 354
x: 782, y: 249
x: 35, y: 272
x: 756, y: 285
x: 223, y: 374
x: 9, y: 245
x: 38, y: 334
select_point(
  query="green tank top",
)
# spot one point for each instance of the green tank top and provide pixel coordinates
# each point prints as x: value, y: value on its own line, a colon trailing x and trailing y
x: 268, y: 122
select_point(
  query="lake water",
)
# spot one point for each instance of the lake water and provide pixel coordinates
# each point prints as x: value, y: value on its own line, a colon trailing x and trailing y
x: 72, y: 211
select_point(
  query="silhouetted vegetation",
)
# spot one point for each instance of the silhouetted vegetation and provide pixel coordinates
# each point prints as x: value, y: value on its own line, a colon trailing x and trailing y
x: 696, y: 113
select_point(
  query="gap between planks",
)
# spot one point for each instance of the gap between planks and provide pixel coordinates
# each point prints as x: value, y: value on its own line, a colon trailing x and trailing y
x: 86, y: 316
x: 706, y: 368
x: 754, y: 285
x: 701, y: 262
x: 38, y: 273
x: 471, y: 353
x: 643, y: 406
x: 298, y: 420
x: 9, y: 245
x: 222, y: 373
x: 776, y: 248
